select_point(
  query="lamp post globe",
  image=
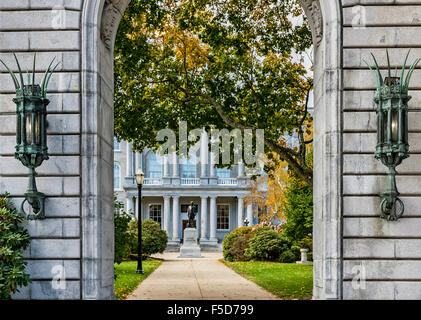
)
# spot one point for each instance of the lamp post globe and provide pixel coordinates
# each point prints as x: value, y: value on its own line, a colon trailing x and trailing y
x: 140, y: 177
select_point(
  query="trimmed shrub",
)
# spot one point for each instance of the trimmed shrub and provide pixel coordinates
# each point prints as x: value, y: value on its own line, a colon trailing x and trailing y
x: 228, y: 250
x: 132, y: 239
x: 13, y: 240
x: 121, y: 236
x: 266, y: 244
x: 239, y: 246
x: 296, y: 251
x: 277, y: 227
x: 287, y: 257
x: 154, y: 239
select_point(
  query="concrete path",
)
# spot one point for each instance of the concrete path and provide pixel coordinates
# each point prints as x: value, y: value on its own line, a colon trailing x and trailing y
x: 197, y: 279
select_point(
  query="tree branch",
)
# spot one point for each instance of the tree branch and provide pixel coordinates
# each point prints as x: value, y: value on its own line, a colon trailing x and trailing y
x: 286, y: 154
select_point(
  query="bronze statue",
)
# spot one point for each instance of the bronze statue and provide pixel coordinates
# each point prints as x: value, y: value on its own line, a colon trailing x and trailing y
x: 191, y: 213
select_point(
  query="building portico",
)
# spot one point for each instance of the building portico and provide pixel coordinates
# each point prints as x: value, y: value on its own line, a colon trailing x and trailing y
x: 171, y: 183
x: 217, y: 215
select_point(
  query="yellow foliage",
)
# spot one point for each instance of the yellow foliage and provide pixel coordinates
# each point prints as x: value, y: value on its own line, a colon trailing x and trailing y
x: 268, y: 193
x: 187, y: 47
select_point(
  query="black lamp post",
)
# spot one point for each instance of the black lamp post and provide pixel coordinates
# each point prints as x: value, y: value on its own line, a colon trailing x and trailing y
x: 140, y: 177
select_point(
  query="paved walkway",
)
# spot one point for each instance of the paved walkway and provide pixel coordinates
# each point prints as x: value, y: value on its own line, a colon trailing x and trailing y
x: 197, y: 279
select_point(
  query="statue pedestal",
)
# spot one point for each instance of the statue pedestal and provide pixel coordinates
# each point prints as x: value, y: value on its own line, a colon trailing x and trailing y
x: 304, y: 257
x: 190, y: 248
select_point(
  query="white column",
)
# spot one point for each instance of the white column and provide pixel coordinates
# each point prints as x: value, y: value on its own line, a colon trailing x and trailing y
x: 166, y: 165
x: 204, y: 217
x: 204, y: 153
x: 250, y: 214
x: 212, y: 165
x: 240, y: 212
x: 138, y: 161
x: 129, y: 202
x: 136, y: 207
x: 240, y: 169
x: 129, y: 160
x: 175, y: 165
x: 212, y: 236
x: 176, y: 218
x: 167, y: 214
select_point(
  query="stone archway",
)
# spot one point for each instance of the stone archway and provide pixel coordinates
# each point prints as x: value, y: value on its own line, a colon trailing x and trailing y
x: 100, y: 20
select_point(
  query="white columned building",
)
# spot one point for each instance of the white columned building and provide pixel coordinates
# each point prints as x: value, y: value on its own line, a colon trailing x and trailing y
x: 171, y: 183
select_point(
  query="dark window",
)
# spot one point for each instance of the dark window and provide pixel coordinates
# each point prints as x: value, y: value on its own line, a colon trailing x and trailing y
x: 222, y: 217
x: 155, y: 213
x: 184, y: 208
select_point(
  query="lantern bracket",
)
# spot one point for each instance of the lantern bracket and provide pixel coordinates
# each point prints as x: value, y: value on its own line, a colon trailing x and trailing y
x: 392, y: 129
x: 31, y: 131
x: 391, y: 206
x: 34, y: 198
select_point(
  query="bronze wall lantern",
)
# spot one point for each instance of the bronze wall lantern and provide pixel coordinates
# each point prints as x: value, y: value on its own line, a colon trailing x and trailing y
x: 31, y: 131
x: 392, y: 130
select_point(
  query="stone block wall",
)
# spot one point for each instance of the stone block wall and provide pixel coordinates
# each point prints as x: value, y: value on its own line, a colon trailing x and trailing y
x: 386, y: 253
x: 52, y: 29
x: 350, y: 239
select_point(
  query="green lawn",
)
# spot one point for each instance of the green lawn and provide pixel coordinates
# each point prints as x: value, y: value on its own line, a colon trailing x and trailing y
x: 127, y: 280
x: 286, y: 280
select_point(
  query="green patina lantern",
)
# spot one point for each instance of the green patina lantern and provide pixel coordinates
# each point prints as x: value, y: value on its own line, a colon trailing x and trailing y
x: 392, y: 131
x: 31, y: 132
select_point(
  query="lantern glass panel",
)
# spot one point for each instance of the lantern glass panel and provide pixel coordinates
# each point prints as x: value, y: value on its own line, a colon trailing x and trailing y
x: 379, y: 128
x: 37, y: 129
x: 18, y: 129
x: 28, y: 128
x: 395, y: 126
x: 384, y: 131
x: 405, y: 126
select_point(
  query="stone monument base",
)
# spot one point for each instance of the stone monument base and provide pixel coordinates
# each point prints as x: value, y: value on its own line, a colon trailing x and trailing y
x: 304, y: 257
x: 190, y: 248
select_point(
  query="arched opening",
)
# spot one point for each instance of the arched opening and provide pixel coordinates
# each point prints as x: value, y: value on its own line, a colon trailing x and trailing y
x: 100, y: 23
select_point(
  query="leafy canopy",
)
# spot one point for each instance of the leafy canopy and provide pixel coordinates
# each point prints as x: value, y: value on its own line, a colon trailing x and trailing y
x: 218, y: 64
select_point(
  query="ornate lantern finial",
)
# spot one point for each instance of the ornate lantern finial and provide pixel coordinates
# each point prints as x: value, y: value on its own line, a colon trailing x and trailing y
x: 31, y: 131
x: 392, y: 130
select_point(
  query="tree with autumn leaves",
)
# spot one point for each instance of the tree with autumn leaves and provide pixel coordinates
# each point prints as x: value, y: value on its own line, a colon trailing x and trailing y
x: 222, y: 64
x: 267, y: 194
x: 281, y: 196
x: 216, y: 64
